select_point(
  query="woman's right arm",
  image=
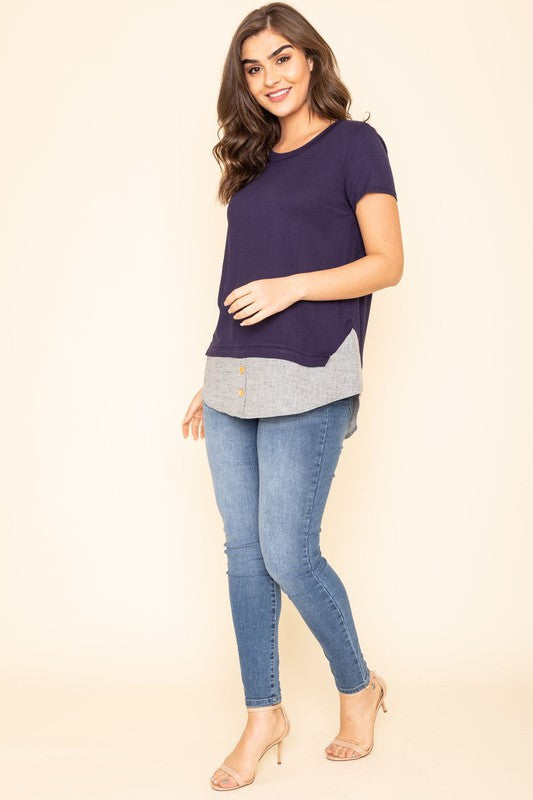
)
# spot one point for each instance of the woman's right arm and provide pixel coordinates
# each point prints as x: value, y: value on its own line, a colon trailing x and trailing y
x: 194, y: 418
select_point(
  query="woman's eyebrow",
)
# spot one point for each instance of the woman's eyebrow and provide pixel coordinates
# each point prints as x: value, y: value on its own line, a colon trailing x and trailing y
x: 275, y: 53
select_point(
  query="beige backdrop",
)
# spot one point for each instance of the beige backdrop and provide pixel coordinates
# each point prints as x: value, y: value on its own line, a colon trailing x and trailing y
x: 117, y: 646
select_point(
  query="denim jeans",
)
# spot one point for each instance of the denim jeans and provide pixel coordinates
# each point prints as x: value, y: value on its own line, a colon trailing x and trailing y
x: 271, y: 478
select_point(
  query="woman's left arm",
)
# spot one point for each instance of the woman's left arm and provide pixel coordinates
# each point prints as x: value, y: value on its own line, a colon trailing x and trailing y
x: 382, y: 266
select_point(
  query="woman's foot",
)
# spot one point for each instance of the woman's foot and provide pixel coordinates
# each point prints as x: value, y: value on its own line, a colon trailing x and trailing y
x: 357, y: 717
x: 264, y: 725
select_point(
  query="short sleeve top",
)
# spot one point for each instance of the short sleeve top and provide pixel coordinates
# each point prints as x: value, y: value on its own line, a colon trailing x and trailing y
x: 298, y: 215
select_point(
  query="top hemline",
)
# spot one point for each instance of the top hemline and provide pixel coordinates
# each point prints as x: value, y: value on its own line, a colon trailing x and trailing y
x: 265, y: 352
x: 288, y: 353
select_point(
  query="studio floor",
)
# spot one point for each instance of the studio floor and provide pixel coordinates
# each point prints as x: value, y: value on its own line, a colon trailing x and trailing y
x: 73, y: 742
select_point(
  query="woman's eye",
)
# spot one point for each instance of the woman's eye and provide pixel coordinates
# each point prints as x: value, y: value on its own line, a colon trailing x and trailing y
x: 251, y: 71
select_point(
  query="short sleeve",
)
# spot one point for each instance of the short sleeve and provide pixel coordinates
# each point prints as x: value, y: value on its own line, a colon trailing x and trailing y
x: 367, y: 167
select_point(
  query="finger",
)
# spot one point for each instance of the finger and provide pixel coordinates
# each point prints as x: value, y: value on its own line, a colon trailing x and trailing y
x: 195, y: 425
x: 236, y: 303
x: 188, y: 415
x: 253, y: 308
x: 186, y: 421
x: 237, y: 309
x: 261, y: 314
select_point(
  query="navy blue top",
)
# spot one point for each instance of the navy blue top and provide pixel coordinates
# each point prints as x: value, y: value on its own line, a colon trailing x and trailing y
x: 298, y: 215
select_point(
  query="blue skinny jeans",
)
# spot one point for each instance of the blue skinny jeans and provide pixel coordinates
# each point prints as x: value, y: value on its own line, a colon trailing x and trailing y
x: 271, y: 477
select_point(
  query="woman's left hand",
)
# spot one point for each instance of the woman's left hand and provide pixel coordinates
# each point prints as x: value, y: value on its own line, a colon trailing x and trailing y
x: 254, y: 301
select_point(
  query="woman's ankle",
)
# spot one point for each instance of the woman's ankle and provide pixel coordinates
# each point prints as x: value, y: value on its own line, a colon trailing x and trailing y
x: 254, y: 709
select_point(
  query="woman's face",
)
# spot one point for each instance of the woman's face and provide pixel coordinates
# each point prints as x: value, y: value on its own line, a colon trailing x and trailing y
x: 272, y: 64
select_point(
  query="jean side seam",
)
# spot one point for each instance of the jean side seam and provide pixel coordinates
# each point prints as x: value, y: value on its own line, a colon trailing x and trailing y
x: 272, y: 633
x: 312, y: 571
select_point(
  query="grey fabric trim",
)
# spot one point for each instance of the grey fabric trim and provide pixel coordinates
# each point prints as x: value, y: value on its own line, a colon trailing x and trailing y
x: 273, y: 386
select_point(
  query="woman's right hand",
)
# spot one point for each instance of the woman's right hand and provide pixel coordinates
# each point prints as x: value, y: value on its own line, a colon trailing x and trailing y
x: 194, y: 418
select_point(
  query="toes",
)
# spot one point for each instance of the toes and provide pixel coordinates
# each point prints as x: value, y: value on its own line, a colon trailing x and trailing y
x: 222, y: 778
x: 340, y: 752
x: 349, y: 753
x: 229, y: 782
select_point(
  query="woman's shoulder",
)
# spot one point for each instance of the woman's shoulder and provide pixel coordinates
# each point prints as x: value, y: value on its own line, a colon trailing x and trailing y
x: 359, y: 132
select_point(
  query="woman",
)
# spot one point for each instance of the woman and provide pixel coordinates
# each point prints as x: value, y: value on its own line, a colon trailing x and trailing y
x: 313, y: 230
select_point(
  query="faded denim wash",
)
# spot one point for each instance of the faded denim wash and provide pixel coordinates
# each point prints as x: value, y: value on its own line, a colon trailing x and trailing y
x: 271, y: 478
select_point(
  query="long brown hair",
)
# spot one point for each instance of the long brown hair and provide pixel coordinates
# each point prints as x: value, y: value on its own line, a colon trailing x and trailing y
x: 250, y: 131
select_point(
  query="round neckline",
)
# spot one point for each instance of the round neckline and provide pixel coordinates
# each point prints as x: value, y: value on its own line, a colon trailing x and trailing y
x: 273, y: 156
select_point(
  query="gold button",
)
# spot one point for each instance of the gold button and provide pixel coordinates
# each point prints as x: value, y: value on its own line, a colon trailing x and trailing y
x: 241, y: 392
x: 241, y: 369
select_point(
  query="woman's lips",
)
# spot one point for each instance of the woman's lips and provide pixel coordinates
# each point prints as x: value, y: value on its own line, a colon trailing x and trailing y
x: 277, y: 97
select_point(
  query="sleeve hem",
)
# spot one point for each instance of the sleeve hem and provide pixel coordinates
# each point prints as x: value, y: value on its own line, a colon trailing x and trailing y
x: 377, y: 190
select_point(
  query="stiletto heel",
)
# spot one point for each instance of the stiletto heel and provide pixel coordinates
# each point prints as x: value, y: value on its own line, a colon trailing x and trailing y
x: 355, y: 746
x: 236, y: 775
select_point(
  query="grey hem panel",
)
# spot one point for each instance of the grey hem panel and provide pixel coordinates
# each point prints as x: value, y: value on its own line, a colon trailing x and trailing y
x: 254, y: 386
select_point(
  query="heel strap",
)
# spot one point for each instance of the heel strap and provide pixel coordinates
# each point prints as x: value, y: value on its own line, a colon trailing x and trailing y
x: 379, y: 680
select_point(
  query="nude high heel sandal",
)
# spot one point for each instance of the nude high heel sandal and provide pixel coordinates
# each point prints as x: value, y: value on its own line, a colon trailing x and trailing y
x: 236, y: 775
x: 362, y: 751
